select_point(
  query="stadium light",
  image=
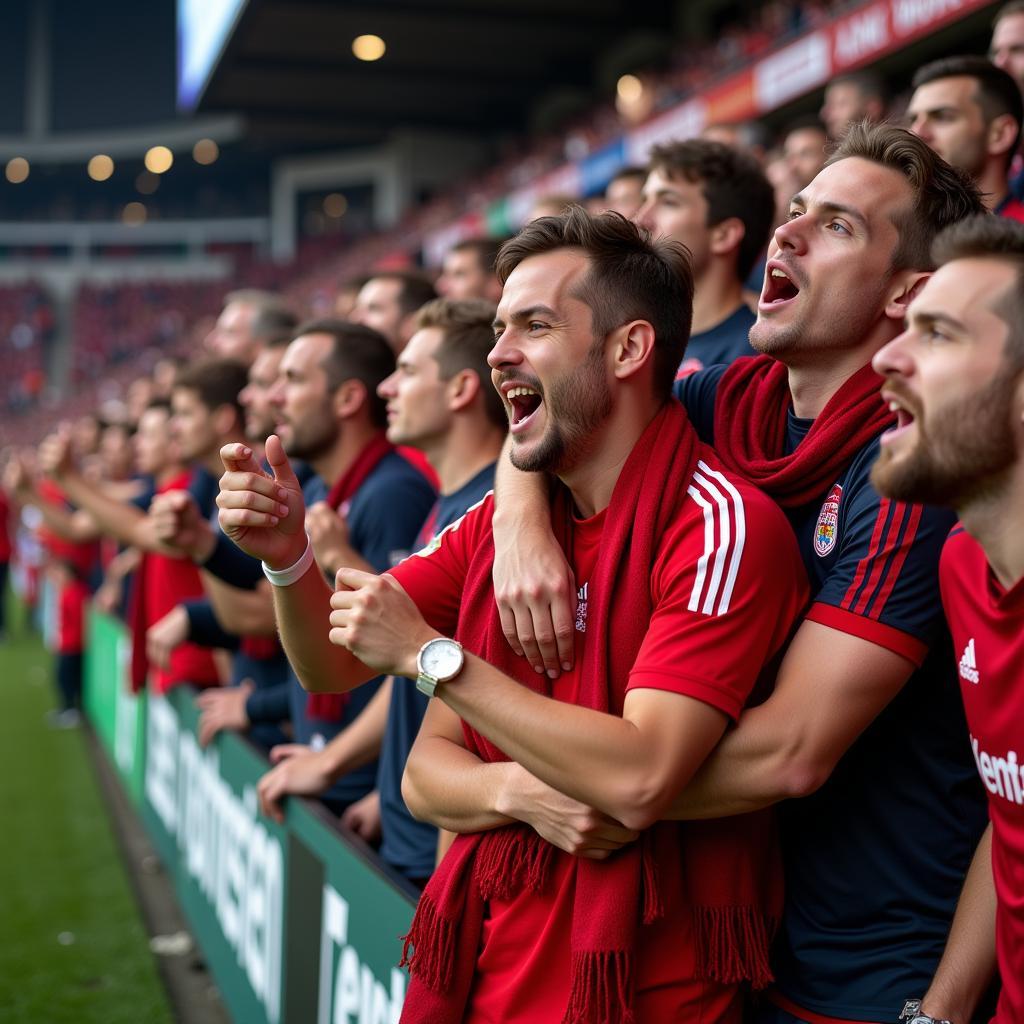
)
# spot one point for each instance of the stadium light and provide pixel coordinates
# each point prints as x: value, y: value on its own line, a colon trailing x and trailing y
x: 133, y: 213
x: 335, y: 205
x: 17, y: 170
x: 368, y: 47
x: 158, y: 159
x: 100, y: 167
x: 205, y: 151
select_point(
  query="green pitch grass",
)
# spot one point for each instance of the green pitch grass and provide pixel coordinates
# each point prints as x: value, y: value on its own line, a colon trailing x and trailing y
x: 72, y: 944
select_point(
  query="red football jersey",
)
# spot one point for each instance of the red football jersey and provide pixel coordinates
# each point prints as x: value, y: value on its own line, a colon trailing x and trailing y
x: 727, y: 586
x: 987, y: 623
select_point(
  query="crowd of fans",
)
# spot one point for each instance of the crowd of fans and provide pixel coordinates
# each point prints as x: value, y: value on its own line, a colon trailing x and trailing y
x: 352, y: 450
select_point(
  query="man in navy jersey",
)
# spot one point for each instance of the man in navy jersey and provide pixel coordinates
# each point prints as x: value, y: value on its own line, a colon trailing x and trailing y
x: 864, y: 721
x: 330, y: 416
x: 954, y: 379
x: 718, y: 203
x: 439, y: 400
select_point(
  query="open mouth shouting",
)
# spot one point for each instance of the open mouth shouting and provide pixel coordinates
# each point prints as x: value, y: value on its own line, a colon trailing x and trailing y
x: 524, y: 402
x: 905, y: 417
x: 780, y: 287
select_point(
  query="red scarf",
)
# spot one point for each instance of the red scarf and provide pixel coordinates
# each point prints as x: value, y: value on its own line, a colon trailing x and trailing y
x: 329, y: 707
x: 724, y: 885
x: 751, y: 411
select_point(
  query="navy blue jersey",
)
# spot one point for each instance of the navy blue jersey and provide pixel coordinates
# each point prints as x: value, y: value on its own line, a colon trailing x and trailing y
x: 384, y: 516
x: 876, y: 858
x: 722, y: 343
x: 408, y: 845
x: 204, y: 487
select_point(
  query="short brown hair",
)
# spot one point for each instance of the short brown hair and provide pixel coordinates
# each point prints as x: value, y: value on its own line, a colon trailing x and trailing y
x: 1013, y: 7
x: 485, y: 250
x: 733, y: 185
x: 467, y: 327
x: 631, y: 277
x: 273, y: 320
x: 943, y: 195
x: 357, y: 353
x: 996, y: 91
x: 414, y: 290
x: 988, y: 237
x: 217, y: 382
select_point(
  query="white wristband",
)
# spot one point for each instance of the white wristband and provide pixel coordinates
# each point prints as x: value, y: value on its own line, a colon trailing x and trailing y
x: 286, y: 577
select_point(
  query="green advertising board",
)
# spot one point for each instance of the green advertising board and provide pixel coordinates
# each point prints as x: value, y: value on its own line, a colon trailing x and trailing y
x: 117, y: 715
x: 298, y: 923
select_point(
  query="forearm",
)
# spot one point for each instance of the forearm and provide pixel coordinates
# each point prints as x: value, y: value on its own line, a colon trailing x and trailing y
x: 757, y: 764
x: 969, y: 961
x: 450, y: 787
x: 124, y: 522
x: 232, y: 565
x: 361, y: 742
x: 602, y: 760
x: 519, y: 497
x: 242, y: 612
x: 75, y: 527
x: 303, y: 614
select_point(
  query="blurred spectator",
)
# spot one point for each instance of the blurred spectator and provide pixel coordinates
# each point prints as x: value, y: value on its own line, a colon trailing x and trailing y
x: 860, y: 96
x: 348, y: 295
x: 751, y: 136
x: 6, y: 550
x: 624, y: 193
x: 717, y: 202
x: 439, y: 400
x: 250, y: 319
x: 1007, y: 47
x: 550, y: 206
x: 388, y: 303
x: 468, y: 270
x: 803, y: 146
x: 970, y: 112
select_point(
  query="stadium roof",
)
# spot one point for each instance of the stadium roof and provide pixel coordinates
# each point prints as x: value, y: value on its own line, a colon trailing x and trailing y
x: 476, y: 66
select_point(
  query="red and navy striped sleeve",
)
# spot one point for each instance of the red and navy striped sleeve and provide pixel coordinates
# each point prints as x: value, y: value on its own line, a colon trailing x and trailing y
x: 883, y: 586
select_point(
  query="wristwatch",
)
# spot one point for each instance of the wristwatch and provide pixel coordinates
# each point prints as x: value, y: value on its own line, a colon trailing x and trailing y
x: 912, y: 1014
x: 440, y: 660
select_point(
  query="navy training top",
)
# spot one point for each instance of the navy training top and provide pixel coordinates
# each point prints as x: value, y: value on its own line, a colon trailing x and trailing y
x: 384, y: 516
x: 722, y: 343
x: 408, y: 845
x: 875, y: 859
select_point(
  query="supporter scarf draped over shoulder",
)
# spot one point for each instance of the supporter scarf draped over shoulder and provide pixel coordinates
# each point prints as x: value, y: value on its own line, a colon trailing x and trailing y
x: 751, y: 411
x: 734, y: 903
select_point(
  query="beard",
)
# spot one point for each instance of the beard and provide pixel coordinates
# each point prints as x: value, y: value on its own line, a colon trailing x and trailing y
x: 314, y: 435
x: 577, y: 404
x: 966, y: 455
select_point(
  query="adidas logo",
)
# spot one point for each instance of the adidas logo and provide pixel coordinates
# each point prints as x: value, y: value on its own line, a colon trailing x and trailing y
x: 968, y: 664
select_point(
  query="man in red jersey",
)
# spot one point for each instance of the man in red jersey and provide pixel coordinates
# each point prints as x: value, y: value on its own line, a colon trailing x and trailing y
x: 955, y: 379
x: 865, y: 697
x: 671, y: 634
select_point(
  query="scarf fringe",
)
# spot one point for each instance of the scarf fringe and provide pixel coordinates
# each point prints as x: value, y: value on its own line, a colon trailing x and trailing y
x: 428, y: 950
x: 733, y: 944
x: 510, y: 860
x: 602, y: 988
x: 654, y: 908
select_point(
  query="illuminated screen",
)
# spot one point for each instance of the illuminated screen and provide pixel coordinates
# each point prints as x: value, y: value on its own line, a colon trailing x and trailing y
x: 203, y: 28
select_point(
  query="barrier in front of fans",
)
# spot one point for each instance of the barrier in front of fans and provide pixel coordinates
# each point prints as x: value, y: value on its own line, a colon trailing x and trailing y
x: 298, y: 922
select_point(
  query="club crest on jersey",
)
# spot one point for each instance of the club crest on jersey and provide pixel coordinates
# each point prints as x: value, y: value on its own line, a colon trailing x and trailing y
x: 827, y: 530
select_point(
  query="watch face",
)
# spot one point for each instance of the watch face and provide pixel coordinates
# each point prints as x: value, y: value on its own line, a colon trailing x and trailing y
x: 441, y: 659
